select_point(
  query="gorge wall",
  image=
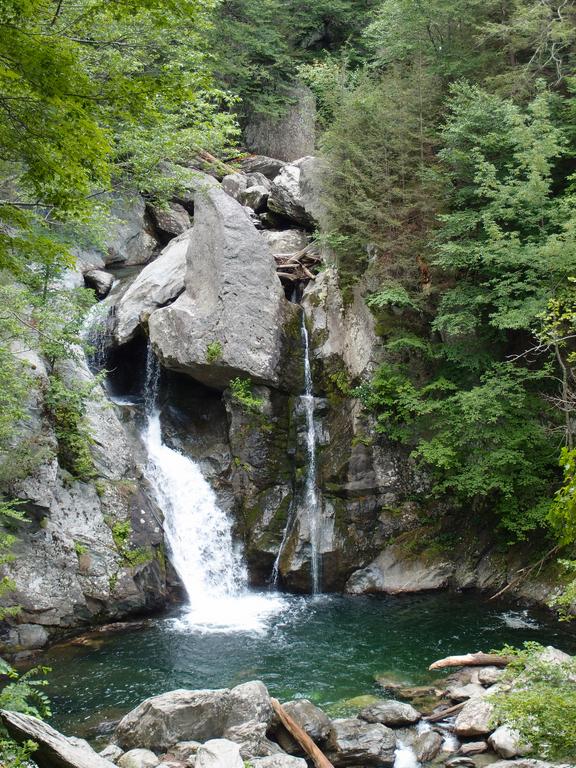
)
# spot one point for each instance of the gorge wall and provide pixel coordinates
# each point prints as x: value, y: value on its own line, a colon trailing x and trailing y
x: 205, y: 282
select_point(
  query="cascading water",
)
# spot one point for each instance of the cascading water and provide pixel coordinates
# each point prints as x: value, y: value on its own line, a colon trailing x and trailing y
x: 198, y: 532
x: 310, y: 506
x: 311, y: 501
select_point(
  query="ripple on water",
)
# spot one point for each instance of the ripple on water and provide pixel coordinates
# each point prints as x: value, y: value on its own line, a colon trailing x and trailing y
x: 327, y: 649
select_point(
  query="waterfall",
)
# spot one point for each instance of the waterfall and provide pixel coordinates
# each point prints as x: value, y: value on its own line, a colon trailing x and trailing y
x: 310, y: 505
x: 96, y: 336
x: 198, y: 532
x: 311, y: 501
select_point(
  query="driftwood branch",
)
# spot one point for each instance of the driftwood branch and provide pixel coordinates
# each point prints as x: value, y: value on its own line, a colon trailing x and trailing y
x: 314, y: 753
x: 298, y: 265
x: 437, y: 716
x: 472, y: 660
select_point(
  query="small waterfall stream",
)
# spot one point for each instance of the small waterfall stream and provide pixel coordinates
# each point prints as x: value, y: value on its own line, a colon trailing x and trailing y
x: 310, y: 504
x: 311, y: 501
x: 198, y: 532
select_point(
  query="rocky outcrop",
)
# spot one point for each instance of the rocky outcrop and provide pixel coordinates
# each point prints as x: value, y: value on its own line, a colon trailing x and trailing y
x: 354, y: 742
x: 395, y: 574
x: 290, y: 136
x: 232, y: 318
x: 91, y: 548
x: 130, y: 240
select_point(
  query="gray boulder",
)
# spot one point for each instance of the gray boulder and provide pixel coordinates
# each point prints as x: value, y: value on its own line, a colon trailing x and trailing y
x: 475, y: 718
x: 219, y: 753
x: 233, y: 300
x: 394, y: 573
x: 112, y: 752
x: 234, y: 184
x: 184, y: 749
x: 463, y: 692
x: 99, y: 280
x: 267, y: 166
x: 129, y: 241
x: 473, y: 748
x: 279, y: 761
x: 294, y: 194
x: 256, y: 197
x: 138, y: 758
x: 427, y: 745
x: 390, y: 712
x: 356, y: 742
x: 170, y: 221
x: 158, y: 283
x: 310, y: 718
x: 54, y: 750
x: 505, y: 742
x: 163, y: 721
x: 489, y: 675
x: 529, y: 764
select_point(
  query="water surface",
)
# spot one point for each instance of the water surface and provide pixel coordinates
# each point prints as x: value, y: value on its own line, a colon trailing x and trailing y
x: 327, y: 649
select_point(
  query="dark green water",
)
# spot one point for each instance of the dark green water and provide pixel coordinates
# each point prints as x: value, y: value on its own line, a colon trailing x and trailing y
x: 327, y: 649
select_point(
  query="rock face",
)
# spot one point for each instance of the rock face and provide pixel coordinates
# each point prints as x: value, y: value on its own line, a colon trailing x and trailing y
x: 391, y: 574
x: 69, y: 570
x: 292, y: 135
x: 54, y: 749
x: 157, y: 285
x: 232, y: 317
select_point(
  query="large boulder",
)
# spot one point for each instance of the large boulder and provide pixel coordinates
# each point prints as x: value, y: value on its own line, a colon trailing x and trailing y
x: 310, y: 718
x: 233, y: 317
x: 267, y: 166
x: 170, y: 220
x: 295, y: 194
x: 354, y: 742
x: 475, y: 718
x: 285, y: 242
x: 182, y: 715
x: 390, y: 712
x: 130, y: 240
x: 506, y: 742
x: 53, y: 749
x: 160, y: 282
x: 100, y: 281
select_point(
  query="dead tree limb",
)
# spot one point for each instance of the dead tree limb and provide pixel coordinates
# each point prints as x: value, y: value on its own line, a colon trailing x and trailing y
x: 314, y: 753
x: 472, y: 660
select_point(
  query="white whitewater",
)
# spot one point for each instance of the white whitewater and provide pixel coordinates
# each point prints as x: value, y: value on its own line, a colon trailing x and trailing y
x: 199, y: 534
x: 311, y: 501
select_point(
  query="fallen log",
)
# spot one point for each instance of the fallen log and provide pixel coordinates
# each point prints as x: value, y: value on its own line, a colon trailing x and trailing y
x: 435, y: 718
x: 472, y: 660
x: 314, y: 753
